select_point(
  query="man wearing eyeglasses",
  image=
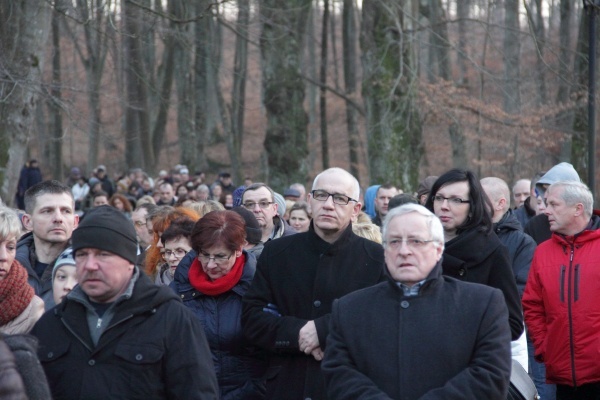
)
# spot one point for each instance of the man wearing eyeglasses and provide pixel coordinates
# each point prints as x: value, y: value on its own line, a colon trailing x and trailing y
x: 420, y: 334
x: 287, y: 308
x: 260, y: 200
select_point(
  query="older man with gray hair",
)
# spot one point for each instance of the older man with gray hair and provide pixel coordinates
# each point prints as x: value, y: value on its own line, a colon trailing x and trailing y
x: 420, y: 334
x: 560, y: 302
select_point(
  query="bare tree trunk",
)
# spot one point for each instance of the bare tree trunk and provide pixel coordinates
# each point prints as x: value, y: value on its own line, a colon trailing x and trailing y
x: 24, y: 27
x: 282, y: 43
x: 201, y: 36
x: 55, y: 103
x: 238, y: 96
x: 389, y: 91
x: 462, y: 9
x: 564, y: 55
x: 536, y: 23
x: 349, y: 45
x: 512, y: 97
x: 322, y: 90
x: 579, y: 146
x: 439, y: 44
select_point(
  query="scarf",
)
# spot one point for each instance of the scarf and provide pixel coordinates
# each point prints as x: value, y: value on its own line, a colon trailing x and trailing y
x: 15, y: 293
x: 201, y: 282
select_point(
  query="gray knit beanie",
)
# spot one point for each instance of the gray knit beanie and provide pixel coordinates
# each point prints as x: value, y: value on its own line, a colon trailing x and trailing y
x: 107, y: 228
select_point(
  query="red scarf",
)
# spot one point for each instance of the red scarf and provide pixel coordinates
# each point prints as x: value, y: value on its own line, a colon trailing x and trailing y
x: 201, y: 282
x: 15, y: 293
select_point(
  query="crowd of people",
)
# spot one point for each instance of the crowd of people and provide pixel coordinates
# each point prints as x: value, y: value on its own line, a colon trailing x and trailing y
x: 173, y: 288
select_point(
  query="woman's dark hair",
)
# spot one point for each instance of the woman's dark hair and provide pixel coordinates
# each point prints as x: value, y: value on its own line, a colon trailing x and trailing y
x: 480, y: 206
x: 226, y: 228
x: 181, y: 227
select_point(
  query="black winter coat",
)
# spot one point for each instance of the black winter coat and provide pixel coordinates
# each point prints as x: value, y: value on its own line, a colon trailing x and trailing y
x: 239, y: 367
x: 538, y: 228
x: 383, y: 345
x: 153, y: 348
x: 476, y: 257
x: 520, y: 247
x: 27, y: 257
x: 301, y: 275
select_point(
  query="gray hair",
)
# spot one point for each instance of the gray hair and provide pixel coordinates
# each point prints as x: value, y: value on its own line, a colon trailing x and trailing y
x: 355, y: 186
x: 574, y: 193
x: 433, y: 223
x: 10, y: 224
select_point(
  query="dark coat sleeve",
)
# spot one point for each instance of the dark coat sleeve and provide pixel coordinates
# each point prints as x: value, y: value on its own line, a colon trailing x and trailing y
x: 522, y: 260
x: 262, y: 327
x: 501, y: 277
x: 344, y: 380
x: 489, y: 371
x: 190, y: 371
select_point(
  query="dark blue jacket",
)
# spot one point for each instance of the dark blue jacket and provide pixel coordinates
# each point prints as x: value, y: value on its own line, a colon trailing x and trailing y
x: 520, y: 247
x: 239, y: 367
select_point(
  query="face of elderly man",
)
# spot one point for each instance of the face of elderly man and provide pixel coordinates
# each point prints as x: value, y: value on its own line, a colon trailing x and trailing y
x: 410, y: 255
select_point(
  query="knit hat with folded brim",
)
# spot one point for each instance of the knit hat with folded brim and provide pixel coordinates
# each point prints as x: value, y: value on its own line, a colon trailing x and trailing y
x: 106, y: 228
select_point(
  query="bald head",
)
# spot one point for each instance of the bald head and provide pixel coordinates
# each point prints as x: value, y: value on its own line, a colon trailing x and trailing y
x: 340, y: 174
x: 521, y: 191
x: 499, y: 193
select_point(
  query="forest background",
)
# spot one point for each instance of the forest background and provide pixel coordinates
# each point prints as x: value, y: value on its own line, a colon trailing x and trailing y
x: 391, y: 90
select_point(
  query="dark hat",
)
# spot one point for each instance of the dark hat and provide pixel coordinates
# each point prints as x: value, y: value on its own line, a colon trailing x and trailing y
x: 253, y: 231
x: 107, y: 228
x: 101, y: 168
x: 291, y: 193
x: 225, y: 175
x: 425, y: 185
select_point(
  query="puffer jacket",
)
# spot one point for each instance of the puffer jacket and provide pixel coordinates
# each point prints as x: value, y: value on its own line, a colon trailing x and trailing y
x: 561, y: 306
x: 239, y: 367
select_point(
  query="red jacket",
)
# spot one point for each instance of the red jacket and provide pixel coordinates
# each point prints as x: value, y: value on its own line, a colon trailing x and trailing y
x: 562, y: 307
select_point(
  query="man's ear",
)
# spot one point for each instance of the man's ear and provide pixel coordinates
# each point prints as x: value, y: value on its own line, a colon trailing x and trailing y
x: 26, y: 220
x: 501, y: 203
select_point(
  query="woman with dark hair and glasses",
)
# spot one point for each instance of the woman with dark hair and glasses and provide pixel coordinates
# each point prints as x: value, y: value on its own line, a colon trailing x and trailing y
x: 211, y: 281
x: 473, y: 252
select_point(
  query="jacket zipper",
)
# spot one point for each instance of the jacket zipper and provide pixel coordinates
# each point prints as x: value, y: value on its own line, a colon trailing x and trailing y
x: 571, y: 341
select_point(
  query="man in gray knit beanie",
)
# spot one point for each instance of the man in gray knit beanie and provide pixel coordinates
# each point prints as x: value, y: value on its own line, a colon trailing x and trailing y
x: 118, y: 320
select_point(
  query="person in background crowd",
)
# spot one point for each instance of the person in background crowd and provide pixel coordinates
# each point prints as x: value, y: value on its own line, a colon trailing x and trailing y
x: 99, y: 199
x: 64, y: 276
x: 176, y: 244
x: 412, y: 359
x: 561, y: 296
x: 462, y: 206
x: 300, y: 189
x: 401, y: 199
x: 117, y: 334
x: 424, y: 188
x: 253, y: 232
x: 20, y: 308
x: 538, y: 227
x: 211, y: 281
x: 370, y: 195
x: 159, y: 221
x: 167, y: 195
x: 300, y: 217
x: 50, y: 219
x: 260, y: 199
x: 121, y: 203
x: 108, y: 185
x: 80, y: 191
x: 529, y: 208
x: 368, y: 231
x: 202, y: 192
x: 521, y: 191
x: 30, y: 175
x: 286, y: 310
x: 291, y: 194
x: 382, y: 198
x: 217, y: 192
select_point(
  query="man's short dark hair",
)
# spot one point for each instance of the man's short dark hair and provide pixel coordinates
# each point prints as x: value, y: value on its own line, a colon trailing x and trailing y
x: 385, y: 186
x: 42, y: 188
x: 148, y: 206
x: 100, y: 193
x: 258, y: 185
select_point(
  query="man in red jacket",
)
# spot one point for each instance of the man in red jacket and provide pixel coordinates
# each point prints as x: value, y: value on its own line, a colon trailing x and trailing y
x: 560, y: 301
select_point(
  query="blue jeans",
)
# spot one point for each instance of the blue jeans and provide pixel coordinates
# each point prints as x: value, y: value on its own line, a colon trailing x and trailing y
x: 537, y: 371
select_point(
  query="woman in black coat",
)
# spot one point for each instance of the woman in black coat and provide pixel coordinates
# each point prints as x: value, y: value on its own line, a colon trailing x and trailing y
x: 211, y: 281
x: 473, y: 252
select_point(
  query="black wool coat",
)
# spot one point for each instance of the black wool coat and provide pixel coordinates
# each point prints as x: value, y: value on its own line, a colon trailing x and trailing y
x: 448, y: 343
x: 300, y: 276
x: 153, y: 348
x: 476, y: 257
